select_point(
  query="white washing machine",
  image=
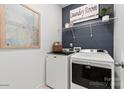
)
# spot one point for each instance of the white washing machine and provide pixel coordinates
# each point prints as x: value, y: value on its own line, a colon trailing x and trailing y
x: 92, y: 69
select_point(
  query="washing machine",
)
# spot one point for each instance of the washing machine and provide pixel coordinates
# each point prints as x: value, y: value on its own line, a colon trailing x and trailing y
x: 92, y: 69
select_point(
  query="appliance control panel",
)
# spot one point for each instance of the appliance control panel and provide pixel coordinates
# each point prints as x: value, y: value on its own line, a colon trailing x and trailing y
x: 94, y: 51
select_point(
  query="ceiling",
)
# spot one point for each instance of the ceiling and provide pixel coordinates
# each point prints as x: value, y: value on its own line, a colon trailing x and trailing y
x: 64, y: 5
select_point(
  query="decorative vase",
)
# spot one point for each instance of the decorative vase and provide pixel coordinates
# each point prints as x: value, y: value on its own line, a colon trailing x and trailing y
x: 105, y: 18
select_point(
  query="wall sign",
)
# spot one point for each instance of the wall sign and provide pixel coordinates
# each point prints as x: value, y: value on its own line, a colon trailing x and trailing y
x: 84, y: 13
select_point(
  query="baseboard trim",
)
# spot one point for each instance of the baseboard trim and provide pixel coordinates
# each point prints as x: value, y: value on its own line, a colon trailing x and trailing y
x: 39, y: 86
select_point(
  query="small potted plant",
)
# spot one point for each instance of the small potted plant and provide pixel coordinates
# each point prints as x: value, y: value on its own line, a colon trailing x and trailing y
x: 105, y: 14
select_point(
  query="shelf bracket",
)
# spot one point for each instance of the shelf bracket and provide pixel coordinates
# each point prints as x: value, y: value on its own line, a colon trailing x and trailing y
x: 73, y: 35
x: 91, y: 31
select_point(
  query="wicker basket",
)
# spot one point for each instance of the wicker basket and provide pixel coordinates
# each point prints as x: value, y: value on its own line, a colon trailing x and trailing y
x: 57, y: 48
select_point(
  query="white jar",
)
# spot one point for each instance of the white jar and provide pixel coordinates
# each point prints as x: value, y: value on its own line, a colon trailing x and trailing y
x: 67, y: 25
x: 105, y: 18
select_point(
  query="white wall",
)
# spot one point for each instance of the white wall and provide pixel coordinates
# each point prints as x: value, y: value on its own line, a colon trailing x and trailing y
x: 25, y: 68
x: 118, y: 37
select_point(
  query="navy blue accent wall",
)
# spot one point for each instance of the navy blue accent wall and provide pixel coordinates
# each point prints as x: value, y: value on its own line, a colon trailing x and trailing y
x: 102, y: 32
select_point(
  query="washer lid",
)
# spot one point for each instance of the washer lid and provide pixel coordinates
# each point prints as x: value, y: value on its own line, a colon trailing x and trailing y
x: 93, y: 56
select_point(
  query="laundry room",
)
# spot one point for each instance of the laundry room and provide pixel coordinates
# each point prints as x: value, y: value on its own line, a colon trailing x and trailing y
x: 84, y: 31
x: 61, y: 46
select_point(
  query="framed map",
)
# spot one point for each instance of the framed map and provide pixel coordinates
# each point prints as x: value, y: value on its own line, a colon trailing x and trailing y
x: 19, y: 27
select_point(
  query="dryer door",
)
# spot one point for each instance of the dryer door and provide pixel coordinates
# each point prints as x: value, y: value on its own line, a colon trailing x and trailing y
x: 91, y: 77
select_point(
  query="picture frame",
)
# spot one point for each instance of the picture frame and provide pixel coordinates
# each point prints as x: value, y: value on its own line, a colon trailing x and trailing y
x: 19, y: 27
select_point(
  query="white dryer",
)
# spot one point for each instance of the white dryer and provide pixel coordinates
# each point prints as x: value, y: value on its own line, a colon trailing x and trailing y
x: 92, y: 69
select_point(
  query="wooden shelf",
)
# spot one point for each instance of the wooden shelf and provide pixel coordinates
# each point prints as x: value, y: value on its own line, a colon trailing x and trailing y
x: 90, y: 24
